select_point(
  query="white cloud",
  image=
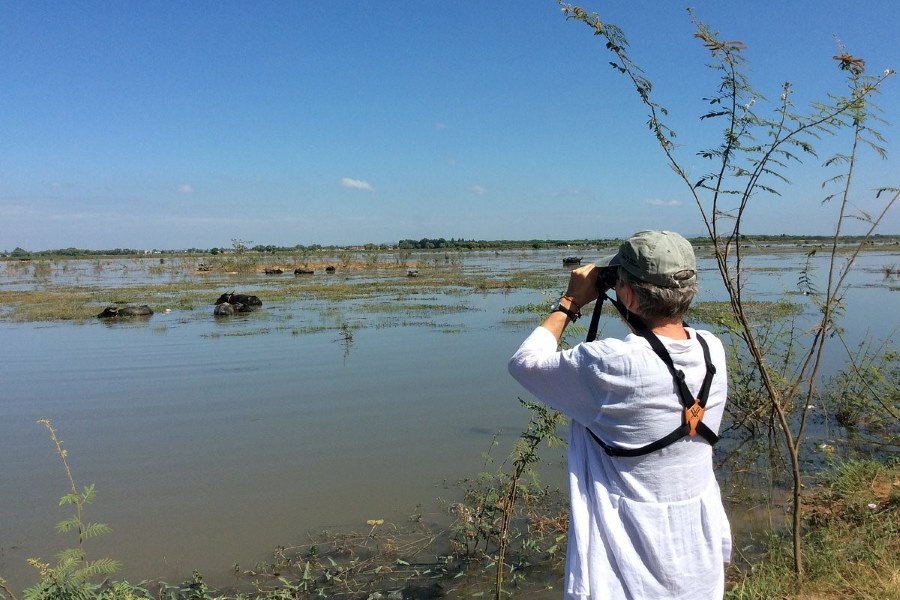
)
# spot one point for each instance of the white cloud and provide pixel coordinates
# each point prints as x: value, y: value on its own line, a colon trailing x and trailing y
x: 185, y: 188
x: 569, y: 193
x: 659, y: 202
x: 356, y: 184
x: 478, y: 190
x: 14, y: 211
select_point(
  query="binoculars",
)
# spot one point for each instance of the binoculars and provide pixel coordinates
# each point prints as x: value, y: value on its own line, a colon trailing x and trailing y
x: 606, y: 278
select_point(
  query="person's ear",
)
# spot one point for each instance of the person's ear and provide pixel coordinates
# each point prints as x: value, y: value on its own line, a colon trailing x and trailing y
x: 625, y: 294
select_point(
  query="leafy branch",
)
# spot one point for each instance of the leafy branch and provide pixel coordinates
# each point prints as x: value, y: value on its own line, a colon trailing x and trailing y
x: 745, y: 168
x: 71, y: 576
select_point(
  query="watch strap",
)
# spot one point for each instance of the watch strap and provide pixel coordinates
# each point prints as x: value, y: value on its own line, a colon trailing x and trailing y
x: 573, y: 312
x: 573, y: 316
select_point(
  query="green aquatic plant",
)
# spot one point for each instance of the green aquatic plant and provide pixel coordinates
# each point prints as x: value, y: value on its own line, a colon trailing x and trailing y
x: 864, y: 398
x: 720, y: 314
x: 42, y: 271
x: 851, y: 535
x: 72, y: 578
x: 506, y: 518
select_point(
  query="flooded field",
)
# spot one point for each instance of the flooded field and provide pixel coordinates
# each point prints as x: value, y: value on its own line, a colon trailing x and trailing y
x: 212, y: 441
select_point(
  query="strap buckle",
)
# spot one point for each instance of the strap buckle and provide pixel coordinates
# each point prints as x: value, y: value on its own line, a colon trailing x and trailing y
x: 693, y: 415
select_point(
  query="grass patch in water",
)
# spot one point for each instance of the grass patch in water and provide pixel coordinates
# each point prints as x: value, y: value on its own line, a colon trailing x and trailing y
x: 453, y: 329
x: 237, y: 333
x: 307, y: 329
x: 247, y: 332
x: 45, y: 305
x: 192, y: 290
x: 535, y: 308
x: 851, y: 541
x: 419, y: 308
x: 719, y: 313
x: 64, y: 303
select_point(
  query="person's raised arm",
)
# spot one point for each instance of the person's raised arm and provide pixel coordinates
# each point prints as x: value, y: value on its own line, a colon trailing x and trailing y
x: 581, y: 291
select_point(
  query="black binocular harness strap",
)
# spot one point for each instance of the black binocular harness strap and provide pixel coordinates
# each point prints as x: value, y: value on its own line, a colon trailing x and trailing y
x: 693, y: 408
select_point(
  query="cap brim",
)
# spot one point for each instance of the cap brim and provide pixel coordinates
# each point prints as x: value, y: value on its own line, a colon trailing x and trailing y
x: 613, y: 260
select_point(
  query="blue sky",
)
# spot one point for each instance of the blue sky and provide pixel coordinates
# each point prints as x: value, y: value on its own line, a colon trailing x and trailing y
x: 188, y: 124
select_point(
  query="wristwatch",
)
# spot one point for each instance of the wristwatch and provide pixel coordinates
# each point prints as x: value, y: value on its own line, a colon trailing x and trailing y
x: 558, y: 307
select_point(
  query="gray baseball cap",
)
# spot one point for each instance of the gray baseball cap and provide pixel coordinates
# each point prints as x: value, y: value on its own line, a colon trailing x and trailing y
x: 661, y: 258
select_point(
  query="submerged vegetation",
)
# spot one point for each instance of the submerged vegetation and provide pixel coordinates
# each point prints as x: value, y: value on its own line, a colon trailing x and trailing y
x: 76, y: 290
x: 506, y: 518
x: 851, y: 535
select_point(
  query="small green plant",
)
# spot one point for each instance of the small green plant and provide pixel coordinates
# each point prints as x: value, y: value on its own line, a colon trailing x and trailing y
x: 850, y: 530
x: 42, y: 270
x: 864, y: 398
x: 542, y: 427
x: 239, y: 259
x: 508, y: 516
x: 346, y: 338
x: 345, y: 258
x: 71, y: 578
x: 403, y: 257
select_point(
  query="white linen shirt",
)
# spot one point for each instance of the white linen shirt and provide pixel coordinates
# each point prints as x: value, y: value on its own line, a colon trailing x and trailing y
x: 650, y: 526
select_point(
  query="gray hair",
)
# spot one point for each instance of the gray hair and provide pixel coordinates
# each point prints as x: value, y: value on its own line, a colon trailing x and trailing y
x: 660, y: 303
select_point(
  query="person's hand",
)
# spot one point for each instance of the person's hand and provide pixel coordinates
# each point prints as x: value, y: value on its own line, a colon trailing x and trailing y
x: 583, y: 285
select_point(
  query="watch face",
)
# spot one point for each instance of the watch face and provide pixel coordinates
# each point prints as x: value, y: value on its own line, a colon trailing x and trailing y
x: 554, y: 306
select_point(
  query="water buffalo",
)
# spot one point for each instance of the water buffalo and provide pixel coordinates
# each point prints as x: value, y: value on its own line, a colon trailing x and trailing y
x: 125, y: 311
x: 227, y: 309
x: 299, y: 271
x: 273, y: 271
x: 250, y: 302
x: 329, y: 269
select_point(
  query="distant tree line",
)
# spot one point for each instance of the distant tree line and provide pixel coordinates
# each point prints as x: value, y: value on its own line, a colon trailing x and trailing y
x: 463, y: 244
x: 72, y: 252
x: 429, y: 244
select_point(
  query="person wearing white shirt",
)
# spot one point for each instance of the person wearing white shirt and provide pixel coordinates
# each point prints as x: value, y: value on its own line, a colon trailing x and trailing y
x: 647, y: 519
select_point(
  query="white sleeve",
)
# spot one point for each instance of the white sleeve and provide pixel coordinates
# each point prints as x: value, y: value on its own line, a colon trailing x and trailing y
x: 554, y: 376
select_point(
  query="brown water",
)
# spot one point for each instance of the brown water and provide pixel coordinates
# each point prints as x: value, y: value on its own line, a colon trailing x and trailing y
x: 211, y: 442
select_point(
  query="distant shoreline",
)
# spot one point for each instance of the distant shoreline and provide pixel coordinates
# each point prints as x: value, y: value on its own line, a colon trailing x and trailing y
x: 761, y: 242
